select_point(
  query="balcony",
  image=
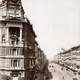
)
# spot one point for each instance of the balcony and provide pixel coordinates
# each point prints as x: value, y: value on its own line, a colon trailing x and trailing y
x: 10, y: 57
x: 13, y: 68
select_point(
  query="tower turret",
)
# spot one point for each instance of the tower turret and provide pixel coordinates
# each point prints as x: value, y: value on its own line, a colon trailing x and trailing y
x: 11, y: 8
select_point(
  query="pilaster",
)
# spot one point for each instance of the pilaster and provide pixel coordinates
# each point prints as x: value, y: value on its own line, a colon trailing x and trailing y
x: 0, y: 36
x: 20, y: 34
x: 7, y: 36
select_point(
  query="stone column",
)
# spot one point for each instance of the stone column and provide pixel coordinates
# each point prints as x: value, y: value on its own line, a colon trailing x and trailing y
x: 16, y: 51
x: 7, y: 34
x: 20, y: 34
x: 0, y: 36
x: 11, y: 52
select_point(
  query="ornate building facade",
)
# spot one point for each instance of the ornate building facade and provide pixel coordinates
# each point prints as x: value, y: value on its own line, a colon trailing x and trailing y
x: 17, y: 42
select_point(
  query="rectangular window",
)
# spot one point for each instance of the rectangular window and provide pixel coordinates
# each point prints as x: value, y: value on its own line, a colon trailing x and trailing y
x: 14, y: 51
x: 3, y: 38
x: 14, y: 33
x: 21, y: 51
x: 31, y: 62
x: 18, y: 63
x: 15, y: 63
x: 10, y: 51
x: 11, y: 63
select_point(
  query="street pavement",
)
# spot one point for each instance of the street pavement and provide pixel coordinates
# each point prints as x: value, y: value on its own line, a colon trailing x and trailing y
x: 62, y: 73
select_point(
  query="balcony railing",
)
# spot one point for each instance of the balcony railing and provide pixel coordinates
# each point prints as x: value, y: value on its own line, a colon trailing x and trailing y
x: 12, y: 68
x: 10, y: 56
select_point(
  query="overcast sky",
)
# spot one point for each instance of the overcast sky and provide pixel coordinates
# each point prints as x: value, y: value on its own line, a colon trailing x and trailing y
x: 56, y: 23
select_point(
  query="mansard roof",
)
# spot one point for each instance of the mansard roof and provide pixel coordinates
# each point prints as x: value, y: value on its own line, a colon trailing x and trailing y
x: 71, y: 49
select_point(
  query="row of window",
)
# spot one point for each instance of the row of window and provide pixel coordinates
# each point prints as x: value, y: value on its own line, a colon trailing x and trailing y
x: 16, y: 63
x: 11, y: 51
x: 15, y: 51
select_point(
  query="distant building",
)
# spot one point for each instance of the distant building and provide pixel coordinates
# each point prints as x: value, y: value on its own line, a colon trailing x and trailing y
x: 70, y: 58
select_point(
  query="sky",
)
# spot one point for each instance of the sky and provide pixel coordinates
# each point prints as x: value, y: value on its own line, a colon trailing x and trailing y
x: 56, y: 23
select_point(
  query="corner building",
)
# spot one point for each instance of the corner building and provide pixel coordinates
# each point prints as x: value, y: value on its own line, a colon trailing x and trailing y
x: 17, y: 42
